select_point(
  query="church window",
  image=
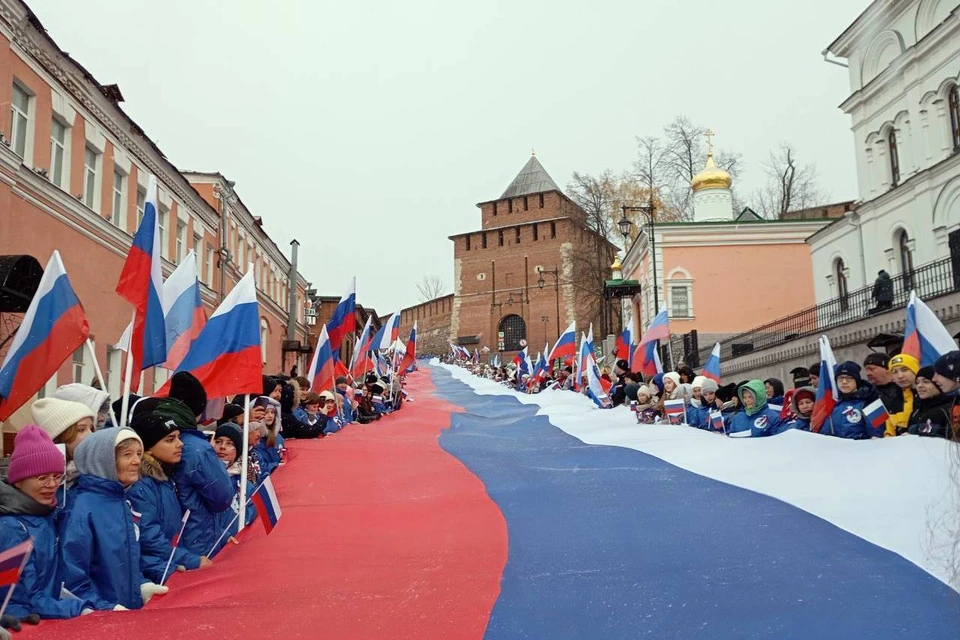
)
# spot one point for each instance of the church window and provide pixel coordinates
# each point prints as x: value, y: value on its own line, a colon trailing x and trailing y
x: 526, y: 203
x: 509, y: 206
x: 553, y: 229
x: 518, y: 235
x: 468, y: 243
x: 894, y: 158
x: 484, y: 239
x: 955, y: 116
x: 906, y: 260
x: 541, y: 201
x: 536, y: 232
x: 842, y: 288
x: 500, y: 237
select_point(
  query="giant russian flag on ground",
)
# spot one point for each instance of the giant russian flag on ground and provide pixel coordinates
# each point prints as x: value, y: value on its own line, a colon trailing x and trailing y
x: 411, y: 355
x: 924, y: 336
x: 53, y: 327
x: 360, y: 363
x: 827, y: 394
x: 566, y: 344
x: 712, y: 368
x: 389, y: 333
x: 141, y: 284
x: 182, y: 310
x: 344, y: 319
x: 322, y: 374
x: 226, y: 356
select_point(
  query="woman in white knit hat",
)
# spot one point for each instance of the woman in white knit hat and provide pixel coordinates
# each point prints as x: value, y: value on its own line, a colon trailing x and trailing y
x: 97, y: 399
x: 67, y: 423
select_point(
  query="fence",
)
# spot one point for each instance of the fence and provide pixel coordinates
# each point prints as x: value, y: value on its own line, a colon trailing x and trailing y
x: 930, y: 280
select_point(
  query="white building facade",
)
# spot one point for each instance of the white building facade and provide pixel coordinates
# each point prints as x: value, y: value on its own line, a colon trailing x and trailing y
x: 903, y: 58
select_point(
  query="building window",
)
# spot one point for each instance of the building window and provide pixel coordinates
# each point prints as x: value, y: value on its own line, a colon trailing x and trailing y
x: 19, y: 120
x: 196, y: 247
x: 181, y: 239
x: 680, y: 301
x: 840, y: 273
x: 141, y: 203
x: 509, y: 206
x: 90, y: 160
x: 518, y: 235
x: 500, y: 237
x: 468, y: 243
x: 954, y: 100
x: 536, y: 232
x: 118, y: 208
x: 209, y: 266
x: 58, y: 141
x: 906, y: 260
x: 483, y: 237
x: 264, y: 330
x: 526, y: 203
x: 541, y: 201
x: 78, y: 368
x: 894, y: 158
x: 553, y: 229
x: 494, y: 208
x: 162, y: 223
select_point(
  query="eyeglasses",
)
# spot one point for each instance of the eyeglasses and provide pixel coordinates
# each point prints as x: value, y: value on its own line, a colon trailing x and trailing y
x: 54, y: 479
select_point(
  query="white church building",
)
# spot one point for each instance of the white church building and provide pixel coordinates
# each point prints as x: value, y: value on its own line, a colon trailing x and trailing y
x: 903, y: 58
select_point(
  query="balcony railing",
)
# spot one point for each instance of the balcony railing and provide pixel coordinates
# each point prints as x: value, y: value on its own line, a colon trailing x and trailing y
x: 930, y: 280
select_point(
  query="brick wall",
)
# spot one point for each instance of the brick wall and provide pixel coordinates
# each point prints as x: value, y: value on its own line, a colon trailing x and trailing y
x: 433, y: 325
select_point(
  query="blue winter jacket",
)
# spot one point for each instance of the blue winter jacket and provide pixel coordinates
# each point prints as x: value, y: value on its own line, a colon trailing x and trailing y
x: 38, y: 590
x: 269, y: 457
x: 99, y: 546
x: 765, y: 422
x: 204, y: 487
x: 847, y: 419
x: 347, y: 397
x: 226, y: 518
x: 333, y: 425
x: 798, y: 422
x: 154, y: 496
x: 698, y: 417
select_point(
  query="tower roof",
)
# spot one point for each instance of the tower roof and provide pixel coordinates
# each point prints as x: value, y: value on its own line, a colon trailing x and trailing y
x: 533, y: 178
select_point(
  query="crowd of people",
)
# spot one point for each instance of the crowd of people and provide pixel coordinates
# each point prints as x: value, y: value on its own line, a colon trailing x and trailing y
x: 103, y: 504
x: 923, y: 401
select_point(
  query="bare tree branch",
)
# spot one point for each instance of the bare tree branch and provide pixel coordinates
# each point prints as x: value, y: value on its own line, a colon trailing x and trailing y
x: 790, y: 186
x: 430, y: 287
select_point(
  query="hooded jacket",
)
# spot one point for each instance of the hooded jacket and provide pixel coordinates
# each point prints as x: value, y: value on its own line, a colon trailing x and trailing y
x: 347, y: 404
x: 797, y: 420
x: 99, y: 540
x: 758, y: 422
x: 154, y: 496
x: 292, y: 427
x: 932, y: 417
x: 37, y: 590
x: 201, y: 481
x: 847, y: 419
x: 228, y: 517
x: 777, y: 399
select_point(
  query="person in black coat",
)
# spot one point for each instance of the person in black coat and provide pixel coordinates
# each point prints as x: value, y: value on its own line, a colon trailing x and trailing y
x: 618, y: 389
x: 882, y: 292
x: 291, y: 426
x: 932, y: 410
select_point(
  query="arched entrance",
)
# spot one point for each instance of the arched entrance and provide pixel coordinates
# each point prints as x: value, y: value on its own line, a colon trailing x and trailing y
x: 512, y: 330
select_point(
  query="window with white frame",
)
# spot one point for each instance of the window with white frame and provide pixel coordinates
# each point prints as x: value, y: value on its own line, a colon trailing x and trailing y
x: 79, y: 365
x: 119, y: 201
x: 209, y: 266
x: 58, y: 150
x: 19, y: 120
x: 48, y: 388
x: 181, y: 239
x: 162, y: 223
x: 263, y: 339
x: 197, y: 239
x: 141, y: 203
x: 114, y: 360
x: 160, y: 377
x: 91, y: 160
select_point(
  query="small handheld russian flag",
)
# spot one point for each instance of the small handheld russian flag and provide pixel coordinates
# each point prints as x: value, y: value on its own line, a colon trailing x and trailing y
x: 716, y: 421
x: 877, y: 415
x: 174, y: 543
x: 12, y: 562
x: 675, y: 411
x: 267, y: 505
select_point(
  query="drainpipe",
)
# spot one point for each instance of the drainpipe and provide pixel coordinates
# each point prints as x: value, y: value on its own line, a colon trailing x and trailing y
x: 850, y: 216
x: 292, y: 292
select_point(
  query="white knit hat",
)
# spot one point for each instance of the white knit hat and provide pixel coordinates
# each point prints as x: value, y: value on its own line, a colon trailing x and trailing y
x: 698, y: 382
x: 55, y: 416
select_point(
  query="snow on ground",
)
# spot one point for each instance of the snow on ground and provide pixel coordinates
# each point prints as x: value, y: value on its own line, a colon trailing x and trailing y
x: 895, y: 492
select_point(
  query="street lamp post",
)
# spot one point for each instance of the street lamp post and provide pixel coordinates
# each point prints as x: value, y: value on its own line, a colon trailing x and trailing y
x: 625, y: 224
x: 544, y: 320
x: 556, y: 285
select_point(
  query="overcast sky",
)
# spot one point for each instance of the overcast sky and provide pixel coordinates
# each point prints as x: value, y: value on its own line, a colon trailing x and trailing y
x: 369, y: 130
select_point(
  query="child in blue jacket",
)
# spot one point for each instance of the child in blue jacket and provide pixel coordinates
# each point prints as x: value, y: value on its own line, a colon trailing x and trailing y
x: 847, y: 419
x: 99, y: 550
x: 755, y: 419
x: 154, y: 496
x: 27, y: 507
x: 228, y: 444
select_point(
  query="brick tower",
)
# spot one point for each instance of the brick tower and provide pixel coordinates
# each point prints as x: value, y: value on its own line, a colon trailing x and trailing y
x: 528, y: 234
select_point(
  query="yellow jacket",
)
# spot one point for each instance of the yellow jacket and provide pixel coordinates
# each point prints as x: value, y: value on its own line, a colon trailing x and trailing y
x: 899, y: 422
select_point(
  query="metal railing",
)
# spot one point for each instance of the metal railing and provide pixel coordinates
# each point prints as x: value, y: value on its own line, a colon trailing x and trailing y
x: 930, y: 280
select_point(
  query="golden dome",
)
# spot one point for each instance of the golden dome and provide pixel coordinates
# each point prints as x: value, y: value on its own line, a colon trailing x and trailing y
x: 616, y: 264
x: 712, y: 177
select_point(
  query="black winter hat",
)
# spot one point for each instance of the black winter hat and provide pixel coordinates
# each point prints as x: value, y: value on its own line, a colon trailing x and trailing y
x: 185, y: 387
x: 776, y: 384
x: 623, y: 365
x: 948, y: 365
x: 117, y: 406
x: 230, y: 412
x: 176, y: 410
x: 152, y: 428
x: 269, y: 384
x: 926, y: 372
x: 877, y: 359
x: 815, y: 369
x: 801, y: 377
x: 233, y: 432
x: 849, y: 368
x: 370, y: 379
x: 727, y: 392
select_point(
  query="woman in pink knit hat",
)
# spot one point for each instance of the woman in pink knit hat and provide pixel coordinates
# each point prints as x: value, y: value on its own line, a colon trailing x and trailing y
x: 27, y: 503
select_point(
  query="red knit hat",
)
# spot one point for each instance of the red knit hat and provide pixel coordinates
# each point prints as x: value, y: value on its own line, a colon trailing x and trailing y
x: 34, y: 454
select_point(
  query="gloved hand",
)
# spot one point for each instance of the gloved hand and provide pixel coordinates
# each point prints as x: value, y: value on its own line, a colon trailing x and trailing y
x: 149, y: 589
x: 10, y: 622
x: 31, y: 618
x: 120, y: 607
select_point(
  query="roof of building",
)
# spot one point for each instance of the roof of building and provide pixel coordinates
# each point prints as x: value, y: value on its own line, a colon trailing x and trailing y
x: 533, y: 178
